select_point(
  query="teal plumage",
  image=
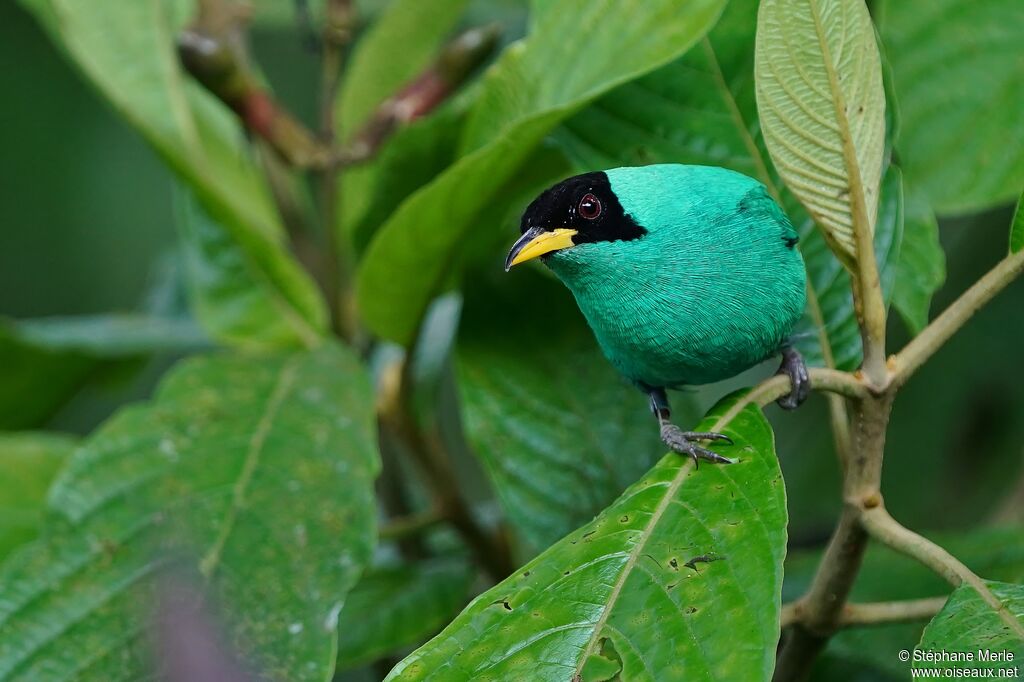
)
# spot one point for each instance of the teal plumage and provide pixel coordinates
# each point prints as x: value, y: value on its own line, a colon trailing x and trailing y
x: 686, y: 274
x: 714, y: 288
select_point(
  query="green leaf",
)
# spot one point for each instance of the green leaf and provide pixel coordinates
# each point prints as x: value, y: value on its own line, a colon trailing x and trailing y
x: 29, y: 461
x: 533, y: 86
x: 822, y: 105
x: 115, y: 335
x: 408, y: 160
x: 48, y: 361
x: 1017, y: 227
x: 260, y: 467
x: 559, y: 432
x: 982, y: 622
x: 397, y: 606
x: 238, y: 292
x: 37, y: 380
x: 957, y: 69
x: 402, y: 42
x: 830, y: 281
x: 886, y: 575
x: 127, y: 51
x: 616, y: 588
x: 921, y: 268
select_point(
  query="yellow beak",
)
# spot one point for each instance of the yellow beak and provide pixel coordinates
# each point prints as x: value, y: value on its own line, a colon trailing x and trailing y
x: 536, y: 242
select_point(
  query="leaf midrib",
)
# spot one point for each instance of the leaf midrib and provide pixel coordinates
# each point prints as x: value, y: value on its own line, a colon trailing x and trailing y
x: 638, y: 549
x: 211, y: 560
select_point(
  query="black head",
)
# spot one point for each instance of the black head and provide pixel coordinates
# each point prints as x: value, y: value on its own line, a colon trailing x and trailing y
x: 578, y: 210
x: 585, y: 203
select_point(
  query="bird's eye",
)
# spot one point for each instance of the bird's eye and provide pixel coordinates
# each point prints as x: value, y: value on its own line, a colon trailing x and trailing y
x: 590, y: 207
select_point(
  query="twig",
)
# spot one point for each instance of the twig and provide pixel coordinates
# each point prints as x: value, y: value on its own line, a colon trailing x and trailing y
x: 887, y: 530
x: 337, y: 32
x: 403, y: 527
x: 831, y: 381
x: 213, y: 55
x: 874, y: 613
x: 461, y: 57
x: 395, y: 410
x: 952, y: 318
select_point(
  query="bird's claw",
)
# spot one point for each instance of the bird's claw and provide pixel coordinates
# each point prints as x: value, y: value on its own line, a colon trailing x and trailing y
x: 793, y: 366
x: 685, y: 443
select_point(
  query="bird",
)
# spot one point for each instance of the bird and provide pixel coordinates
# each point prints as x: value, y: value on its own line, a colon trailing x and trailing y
x: 686, y: 274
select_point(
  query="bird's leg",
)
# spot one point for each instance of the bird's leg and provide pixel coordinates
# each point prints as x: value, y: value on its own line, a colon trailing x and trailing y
x: 793, y: 366
x: 683, y: 442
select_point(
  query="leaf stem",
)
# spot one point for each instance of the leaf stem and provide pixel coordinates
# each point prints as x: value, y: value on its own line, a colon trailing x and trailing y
x: 952, y: 318
x: 874, y: 613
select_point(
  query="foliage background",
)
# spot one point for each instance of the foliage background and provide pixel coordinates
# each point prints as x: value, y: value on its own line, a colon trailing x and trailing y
x: 88, y: 228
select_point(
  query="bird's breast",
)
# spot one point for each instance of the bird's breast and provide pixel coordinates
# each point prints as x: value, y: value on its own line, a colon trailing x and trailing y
x: 676, y: 314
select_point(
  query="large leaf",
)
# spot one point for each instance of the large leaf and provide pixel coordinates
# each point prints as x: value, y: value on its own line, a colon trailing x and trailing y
x: 629, y: 595
x: 958, y: 71
x: 260, y: 467
x: 653, y: 120
x: 822, y: 106
x: 230, y: 288
x: 973, y: 622
x: 887, y: 575
x: 115, y: 335
x: 127, y: 51
x: 397, y: 606
x: 29, y: 461
x: 559, y: 432
x: 585, y: 49
x: 402, y: 42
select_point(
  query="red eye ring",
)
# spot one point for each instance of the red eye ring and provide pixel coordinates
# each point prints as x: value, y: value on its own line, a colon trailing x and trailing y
x: 589, y: 207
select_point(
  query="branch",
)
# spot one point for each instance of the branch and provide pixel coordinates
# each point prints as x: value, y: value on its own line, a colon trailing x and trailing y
x: 396, y: 412
x: 460, y: 58
x: 873, y: 613
x: 823, y: 380
x: 822, y: 606
x: 887, y: 530
x: 952, y: 318
x: 213, y: 55
x: 402, y: 527
x: 884, y: 528
x: 337, y: 32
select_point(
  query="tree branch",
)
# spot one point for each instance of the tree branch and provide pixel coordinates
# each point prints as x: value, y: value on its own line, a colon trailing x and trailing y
x: 213, y: 56
x: 873, y: 613
x: 952, y: 318
x: 337, y: 33
x: 822, y: 606
x: 881, y: 526
x: 404, y: 526
x: 887, y: 530
x: 396, y: 413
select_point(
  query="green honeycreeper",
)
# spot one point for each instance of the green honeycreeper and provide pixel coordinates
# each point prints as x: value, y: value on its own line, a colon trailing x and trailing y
x: 686, y: 274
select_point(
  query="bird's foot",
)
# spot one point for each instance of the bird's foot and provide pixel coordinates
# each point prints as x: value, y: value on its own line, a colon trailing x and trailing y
x: 793, y: 366
x: 685, y: 443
